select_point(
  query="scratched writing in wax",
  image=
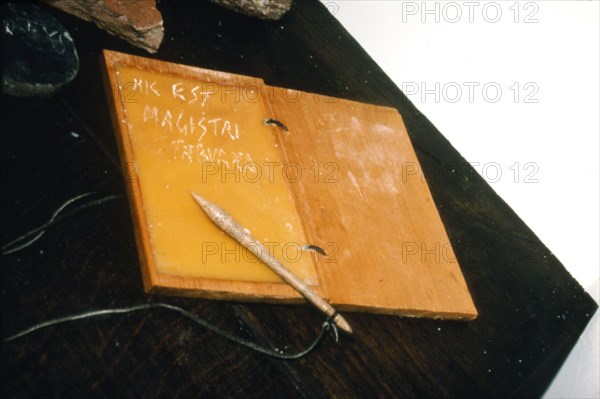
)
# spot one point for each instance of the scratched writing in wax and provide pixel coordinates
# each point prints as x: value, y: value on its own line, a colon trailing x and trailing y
x: 190, y: 122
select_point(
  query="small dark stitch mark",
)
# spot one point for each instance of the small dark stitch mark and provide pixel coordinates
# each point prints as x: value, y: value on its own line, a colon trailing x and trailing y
x: 315, y: 248
x: 271, y: 121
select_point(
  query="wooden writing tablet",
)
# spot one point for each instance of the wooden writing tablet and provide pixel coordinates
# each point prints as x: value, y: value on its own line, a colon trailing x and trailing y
x: 296, y: 169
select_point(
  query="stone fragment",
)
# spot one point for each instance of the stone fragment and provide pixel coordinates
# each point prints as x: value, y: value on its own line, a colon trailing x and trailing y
x: 264, y: 9
x: 137, y: 21
x: 38, y: 54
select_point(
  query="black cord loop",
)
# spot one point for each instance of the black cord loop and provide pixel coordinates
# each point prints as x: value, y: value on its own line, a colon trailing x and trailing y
x: 203, y: 323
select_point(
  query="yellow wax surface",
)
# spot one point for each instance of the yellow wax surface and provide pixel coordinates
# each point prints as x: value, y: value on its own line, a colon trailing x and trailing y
x: 210, y: 138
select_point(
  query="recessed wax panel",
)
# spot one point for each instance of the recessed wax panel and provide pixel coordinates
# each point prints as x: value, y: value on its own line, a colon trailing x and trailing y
x: 210, y: 138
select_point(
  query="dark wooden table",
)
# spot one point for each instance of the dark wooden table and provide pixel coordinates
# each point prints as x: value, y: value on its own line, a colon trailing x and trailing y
x: 531, y: 310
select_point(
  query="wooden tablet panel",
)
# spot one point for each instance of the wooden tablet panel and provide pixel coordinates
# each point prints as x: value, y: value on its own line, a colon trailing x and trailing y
x: 339, y: 174
x: 372, y: 204
x: 182, y: 129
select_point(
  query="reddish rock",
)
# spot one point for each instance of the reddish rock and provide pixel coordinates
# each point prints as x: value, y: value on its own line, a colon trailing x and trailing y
x: 264, y: 9
x: 137, y: 21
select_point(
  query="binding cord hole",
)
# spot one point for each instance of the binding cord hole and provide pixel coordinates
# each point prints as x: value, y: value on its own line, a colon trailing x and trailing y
x: 271, y: 121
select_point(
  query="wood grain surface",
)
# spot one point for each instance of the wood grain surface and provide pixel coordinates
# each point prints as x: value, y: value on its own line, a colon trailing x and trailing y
x: 531, y: 311
x: 361, y: 195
